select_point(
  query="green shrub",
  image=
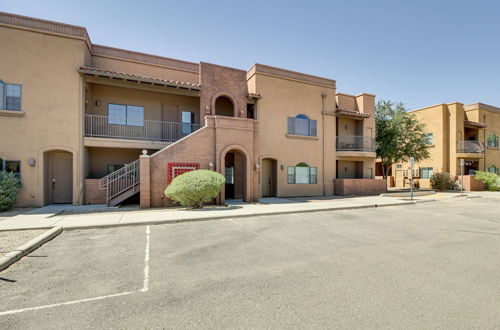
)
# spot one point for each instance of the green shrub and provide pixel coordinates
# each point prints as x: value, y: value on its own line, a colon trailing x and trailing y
x: 442, y: 181
x: 490, y: 180
x: 9, y: 190
x: 195, y: 188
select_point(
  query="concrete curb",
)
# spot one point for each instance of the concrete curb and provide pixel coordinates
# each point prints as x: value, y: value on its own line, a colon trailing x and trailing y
x: 25, y: 249
x: 161, y: 222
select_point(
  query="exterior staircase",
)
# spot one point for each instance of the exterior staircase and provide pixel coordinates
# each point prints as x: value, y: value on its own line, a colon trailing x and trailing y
x: 121, y: 184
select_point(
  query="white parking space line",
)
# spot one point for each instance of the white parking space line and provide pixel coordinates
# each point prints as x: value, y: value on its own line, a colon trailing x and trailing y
x: 15, y: 311
x: 145, y: 286
x: 73, y: 302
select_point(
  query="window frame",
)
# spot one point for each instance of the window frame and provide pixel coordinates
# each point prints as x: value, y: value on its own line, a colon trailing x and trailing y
x: 126, y: 118
x: 429, y: 139
x: 312, y: 125
x: 494, y: 141
x: 428, y: 170
x: 3, y: 96
x: 312, y: 175
x: 3, y: 166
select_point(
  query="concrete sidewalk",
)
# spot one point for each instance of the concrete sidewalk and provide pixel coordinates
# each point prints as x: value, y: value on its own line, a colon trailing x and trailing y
x: 48, y: 217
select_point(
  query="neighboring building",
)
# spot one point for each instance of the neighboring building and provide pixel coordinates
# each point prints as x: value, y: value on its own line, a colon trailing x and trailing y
x: 75, y: 118
x: 456, y: 132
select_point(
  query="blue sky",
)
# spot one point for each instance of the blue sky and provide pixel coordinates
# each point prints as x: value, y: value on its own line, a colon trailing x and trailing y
x: 418, y: 52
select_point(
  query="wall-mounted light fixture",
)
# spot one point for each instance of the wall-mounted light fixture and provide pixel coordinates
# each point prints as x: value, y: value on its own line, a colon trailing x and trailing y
x: 97, y: 103
x: 282, y: 167
x: 211, y: 166
x: 257, y: 167
x: 31, y: 161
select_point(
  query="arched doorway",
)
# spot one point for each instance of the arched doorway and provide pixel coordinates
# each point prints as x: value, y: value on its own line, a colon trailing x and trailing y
x: 235, y: 173
x: 58, y: 177
x: 224, y: 106
x: 269, y: 182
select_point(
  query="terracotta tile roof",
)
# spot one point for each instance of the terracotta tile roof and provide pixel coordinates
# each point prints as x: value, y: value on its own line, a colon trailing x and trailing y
x: 254, y: 95
x: 352, y: 113
x: 134, y: 77
x: 473, y: 124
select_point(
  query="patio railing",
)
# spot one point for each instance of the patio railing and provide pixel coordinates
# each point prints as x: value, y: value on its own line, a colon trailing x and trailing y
x: 151, y: 130
x: 355, y: 143
x: 470, y: 147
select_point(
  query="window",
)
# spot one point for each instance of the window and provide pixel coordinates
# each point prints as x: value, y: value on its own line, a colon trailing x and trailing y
x: 229, y: 175
x: 492, y: 169
x: 302, y: 125
x: 302, y: 174
x: 187, y: 122
x: 10, y: 96
x: 492, y: 140
x: 130, y: 115
x: 429, y: 139
x: 426, y: 172
x: 251, y: 111
x: 114, y: 167
x: 13, y: 166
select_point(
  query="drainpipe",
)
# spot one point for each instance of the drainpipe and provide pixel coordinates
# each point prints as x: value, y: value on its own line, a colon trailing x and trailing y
x: 323, y: 97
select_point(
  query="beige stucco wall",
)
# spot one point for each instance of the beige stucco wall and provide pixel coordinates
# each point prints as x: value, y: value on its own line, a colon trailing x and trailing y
x: 46, y: 67
x: 282, y: 98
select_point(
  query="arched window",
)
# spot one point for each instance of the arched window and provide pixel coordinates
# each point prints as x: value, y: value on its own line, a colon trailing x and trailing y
x: 302, y: 125
x: 302, y: 173
x: 493, y: 140
x: 493, y: 169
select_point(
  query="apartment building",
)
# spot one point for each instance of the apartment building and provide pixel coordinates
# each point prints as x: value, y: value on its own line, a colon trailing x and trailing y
x: 83, y: 123
x: 456, y: 131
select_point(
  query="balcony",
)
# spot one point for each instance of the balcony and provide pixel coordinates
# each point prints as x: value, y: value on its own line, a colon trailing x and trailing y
x: 470, y: 147
x: 151, y: 130
x: 355, y: 143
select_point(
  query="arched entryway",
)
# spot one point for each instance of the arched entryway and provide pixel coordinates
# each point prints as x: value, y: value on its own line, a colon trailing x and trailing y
x: 235, y: 171
x: 224, y: 106
x: 58, y: 177
x: 269, y: 171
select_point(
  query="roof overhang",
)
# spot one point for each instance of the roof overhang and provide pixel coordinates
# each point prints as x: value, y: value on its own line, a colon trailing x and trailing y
x: 96, y: 72
x: 473, y: 124
x: 351, y: 114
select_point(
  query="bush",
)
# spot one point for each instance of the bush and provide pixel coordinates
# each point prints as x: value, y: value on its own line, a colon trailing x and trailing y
x: 195, y: 188
x: 490, y: 180
x: 9, y: 190
x: 442, y: 181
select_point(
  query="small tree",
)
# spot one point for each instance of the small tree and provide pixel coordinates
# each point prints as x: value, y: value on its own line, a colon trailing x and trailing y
x: 490, y: 180
x: 399, y: 135
x: 9, y: 190
x: 195, y: 188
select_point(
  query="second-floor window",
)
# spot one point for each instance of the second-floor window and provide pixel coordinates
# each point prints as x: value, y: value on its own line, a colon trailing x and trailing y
x: 429, y: 139
x: 493, y: 140
x: 302, y: 125
x: 10, y: 96
x: 121, y: 114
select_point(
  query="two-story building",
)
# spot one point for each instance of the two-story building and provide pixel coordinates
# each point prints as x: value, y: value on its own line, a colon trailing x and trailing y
x: 454, y: 132
x: 89, y: 124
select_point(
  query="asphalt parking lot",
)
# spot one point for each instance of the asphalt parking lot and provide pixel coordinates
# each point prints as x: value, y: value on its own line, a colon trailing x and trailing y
x: 430, y: 265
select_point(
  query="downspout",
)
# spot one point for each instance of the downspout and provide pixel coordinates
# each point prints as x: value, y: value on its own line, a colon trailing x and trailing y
x: 323, y: 97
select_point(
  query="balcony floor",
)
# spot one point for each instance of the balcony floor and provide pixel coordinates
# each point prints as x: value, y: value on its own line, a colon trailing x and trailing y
x: 123, y: 143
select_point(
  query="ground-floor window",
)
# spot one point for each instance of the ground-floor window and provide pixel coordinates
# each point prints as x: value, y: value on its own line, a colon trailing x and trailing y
x: 492, y: 169
x: 13, y: 166
x: 302, y: 174
x: 426, y: 172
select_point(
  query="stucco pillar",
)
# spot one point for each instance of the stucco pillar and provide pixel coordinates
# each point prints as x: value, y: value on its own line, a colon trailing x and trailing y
x: 145, y: 182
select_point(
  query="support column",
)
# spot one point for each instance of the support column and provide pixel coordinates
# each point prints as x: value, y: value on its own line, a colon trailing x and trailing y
x: 145, y: 182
